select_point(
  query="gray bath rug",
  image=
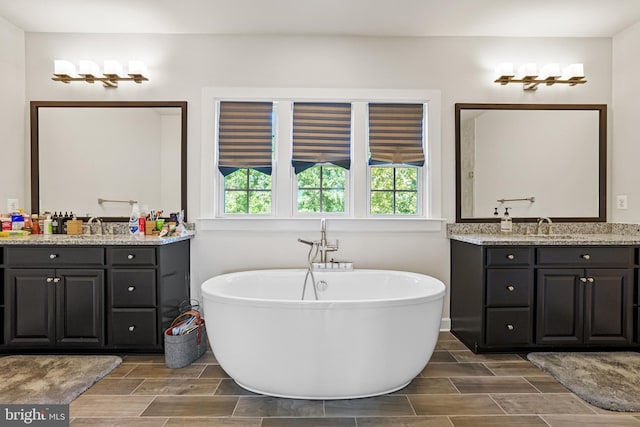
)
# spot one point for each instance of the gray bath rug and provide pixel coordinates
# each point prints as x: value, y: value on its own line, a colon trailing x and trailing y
x: 50, y: 379
x: 608, y: 380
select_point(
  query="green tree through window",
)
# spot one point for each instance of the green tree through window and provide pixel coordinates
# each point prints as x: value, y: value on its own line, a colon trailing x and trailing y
x: 321, y: 189
x: 394, y: 190
x: 247, y: 191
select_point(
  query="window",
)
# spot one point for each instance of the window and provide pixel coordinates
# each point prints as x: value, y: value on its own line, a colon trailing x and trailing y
x: 322, y: 189
x: 247, y: 191
x: 396, y: 141
x: 321, y: 155
x: 245, y: 152
x: 346, y: 169
x: 394, y: 190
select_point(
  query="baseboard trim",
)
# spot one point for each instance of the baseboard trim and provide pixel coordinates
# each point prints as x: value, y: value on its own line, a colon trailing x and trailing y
x: 445, y: 324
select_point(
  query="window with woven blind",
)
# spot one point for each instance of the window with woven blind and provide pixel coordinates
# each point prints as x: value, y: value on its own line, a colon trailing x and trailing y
x: 245, y: 152
x: 245, y: 135
x: 396, y: 134
x: 321, y: 134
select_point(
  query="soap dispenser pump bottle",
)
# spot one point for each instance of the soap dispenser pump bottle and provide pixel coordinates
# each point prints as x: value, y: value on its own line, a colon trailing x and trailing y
x: 506, y: 223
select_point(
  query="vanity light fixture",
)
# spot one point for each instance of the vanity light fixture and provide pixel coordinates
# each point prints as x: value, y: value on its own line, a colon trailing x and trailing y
x: 89, y: 71
x: 549, y: 75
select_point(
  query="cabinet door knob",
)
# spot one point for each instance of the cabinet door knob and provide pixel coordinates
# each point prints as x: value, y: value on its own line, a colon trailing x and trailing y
x: 131, y: 256
x: 49, y: 279
x: 53, y: 256
x: 511, y: 288
x: 510, y: 327
x: 583, y: 279
x: 511, y: 256
x: 56, y: 279
x: 132, y: 328
x: 585, y: 257
x: 590, y: 279
x: 131, y: 288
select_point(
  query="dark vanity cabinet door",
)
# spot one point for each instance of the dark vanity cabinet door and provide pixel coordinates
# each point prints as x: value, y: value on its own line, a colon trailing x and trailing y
x: 31, y: 296
x: 559, y: 297
x: 56, y: 307
x: 80, y: 307
x: 608, y: 316
x: 584, y: 306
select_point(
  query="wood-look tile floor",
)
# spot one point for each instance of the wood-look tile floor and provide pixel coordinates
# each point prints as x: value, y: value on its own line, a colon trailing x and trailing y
x: 456, y: 389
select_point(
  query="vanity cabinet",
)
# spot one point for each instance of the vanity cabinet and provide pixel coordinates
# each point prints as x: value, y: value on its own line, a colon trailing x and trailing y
x: 108, y: 298
x: 62, y: 307
x: 506, y: 298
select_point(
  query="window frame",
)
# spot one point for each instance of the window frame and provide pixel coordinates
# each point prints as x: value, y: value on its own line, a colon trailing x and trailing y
x: 283, y: 200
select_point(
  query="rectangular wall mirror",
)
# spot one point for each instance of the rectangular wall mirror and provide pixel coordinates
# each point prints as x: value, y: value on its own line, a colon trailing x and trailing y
x: 540, y: 160
x: 97, y: 158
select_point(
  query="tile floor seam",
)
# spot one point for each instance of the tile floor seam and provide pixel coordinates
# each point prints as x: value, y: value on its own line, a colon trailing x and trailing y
x: 498, y: 405
x: 147, y: 407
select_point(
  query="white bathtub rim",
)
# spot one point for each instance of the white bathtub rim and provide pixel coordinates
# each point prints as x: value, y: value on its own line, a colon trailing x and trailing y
x: 310, y: 304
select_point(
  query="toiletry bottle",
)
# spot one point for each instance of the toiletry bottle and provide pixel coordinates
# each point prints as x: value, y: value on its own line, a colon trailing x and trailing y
x: 48, y: 225
x: 35, y: 224
x: 134, y: 224
x: 506, y: 224
x: 54, y: 223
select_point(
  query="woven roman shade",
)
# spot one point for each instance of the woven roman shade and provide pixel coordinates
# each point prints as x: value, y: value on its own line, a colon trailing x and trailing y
x: 321, y: 134
x: 245, y: 134
x: 395, y: 134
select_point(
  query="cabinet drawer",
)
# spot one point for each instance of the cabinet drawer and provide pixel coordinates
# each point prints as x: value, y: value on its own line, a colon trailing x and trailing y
x: 134, y: 327
x: 586, y: 256
x: 508, y: 256
x: 508, y: 287
x: 508, y: 326
x: 53, y: 256
x: 133, y: 288
x: 133, y: 256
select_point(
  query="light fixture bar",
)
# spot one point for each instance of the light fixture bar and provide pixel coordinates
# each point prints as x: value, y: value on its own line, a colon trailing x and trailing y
x: 89, y: 72
x: 548, y: 75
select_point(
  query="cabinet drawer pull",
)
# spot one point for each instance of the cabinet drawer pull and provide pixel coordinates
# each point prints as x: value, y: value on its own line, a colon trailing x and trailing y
x: 585, y: 257
x: 590, y: 279
x: 132, y: 328
x: 510, y: 327
x: 49, y: 279
x: 131, y: 288
x: 511, y: 256
x: 583, y: 279
x: 53, y: 256
x: 131, y: 256
x: 511, y: 288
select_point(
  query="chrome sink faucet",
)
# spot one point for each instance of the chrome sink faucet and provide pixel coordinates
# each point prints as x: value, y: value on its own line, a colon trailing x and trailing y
x: 325, y: 246
x: 541, y: 221
x: 98, y: 221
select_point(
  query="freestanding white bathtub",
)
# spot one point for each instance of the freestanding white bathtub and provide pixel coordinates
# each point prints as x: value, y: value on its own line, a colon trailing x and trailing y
x: 371, y: 331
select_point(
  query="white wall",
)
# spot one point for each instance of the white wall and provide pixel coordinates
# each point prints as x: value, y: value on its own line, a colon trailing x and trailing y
x: 181, y: 65
x: 13, y: 149
x: 625, y: 146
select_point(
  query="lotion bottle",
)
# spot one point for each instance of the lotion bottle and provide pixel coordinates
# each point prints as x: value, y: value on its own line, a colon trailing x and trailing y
x: 134, y: 224
x: 506, y: 224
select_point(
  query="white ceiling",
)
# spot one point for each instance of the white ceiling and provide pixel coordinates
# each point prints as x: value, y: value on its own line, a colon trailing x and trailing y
x: 502, y: 18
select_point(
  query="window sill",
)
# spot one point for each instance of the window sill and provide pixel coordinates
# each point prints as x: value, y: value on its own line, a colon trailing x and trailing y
x: 313, y: 224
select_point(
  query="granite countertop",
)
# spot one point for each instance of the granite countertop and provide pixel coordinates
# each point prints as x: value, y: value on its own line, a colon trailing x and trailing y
x: 92, y: 239
x: 562, y: 234
x: 545, y: 240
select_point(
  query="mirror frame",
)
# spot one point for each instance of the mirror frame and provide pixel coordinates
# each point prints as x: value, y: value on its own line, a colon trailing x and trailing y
x: 35, y: 107
x: 602, y: 157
